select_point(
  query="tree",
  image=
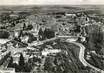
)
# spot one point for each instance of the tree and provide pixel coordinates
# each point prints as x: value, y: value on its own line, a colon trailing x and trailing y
x: 31, y: 38
x: 77, y: 28
x: 21, y: 61
x: 27, y: 67
x: 4, y: 34
x: 24, y: 26
x: 11, y: 62
x: 41, y: 34
x: 95, y: 37
x: 48, y: 64
x: 29, y: 27
x: 48, y: 33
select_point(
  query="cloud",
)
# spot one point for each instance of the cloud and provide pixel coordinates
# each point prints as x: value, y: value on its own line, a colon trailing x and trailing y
x: 92, y: 2
x: 50, y: 2
x: 16, y: 2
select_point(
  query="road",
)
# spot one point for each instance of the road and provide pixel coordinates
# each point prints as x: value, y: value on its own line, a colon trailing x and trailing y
x: 82, y: 59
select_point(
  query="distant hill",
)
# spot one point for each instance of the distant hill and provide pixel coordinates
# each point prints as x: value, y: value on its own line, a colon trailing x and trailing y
x: 42, y: 9
x: 56, y: 8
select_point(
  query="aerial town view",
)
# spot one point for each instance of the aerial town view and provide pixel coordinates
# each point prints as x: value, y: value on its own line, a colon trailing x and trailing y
x: 52, y: 39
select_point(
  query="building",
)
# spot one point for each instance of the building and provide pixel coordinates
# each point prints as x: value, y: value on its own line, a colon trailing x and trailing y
x: 16, y: 58
x: 7, y: 70
x: 50, y: 51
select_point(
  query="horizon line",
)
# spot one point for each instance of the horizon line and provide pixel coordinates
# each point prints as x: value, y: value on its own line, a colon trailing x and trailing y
x: 46, y: 4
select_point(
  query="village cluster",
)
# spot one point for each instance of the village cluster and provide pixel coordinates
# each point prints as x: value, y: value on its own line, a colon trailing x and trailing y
x: 25, y: 35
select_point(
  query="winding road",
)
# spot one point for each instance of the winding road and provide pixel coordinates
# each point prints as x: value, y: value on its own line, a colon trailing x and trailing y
x: 81, y: 57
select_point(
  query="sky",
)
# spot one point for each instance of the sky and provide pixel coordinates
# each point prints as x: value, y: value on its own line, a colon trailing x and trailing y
x: 50, y: 2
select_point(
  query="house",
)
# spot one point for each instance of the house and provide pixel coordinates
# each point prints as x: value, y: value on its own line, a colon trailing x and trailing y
x: 70, y: 15
x: 16, y: 34
x: 50, y: 51
x: 13, y: 15
x: 25, y: 39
